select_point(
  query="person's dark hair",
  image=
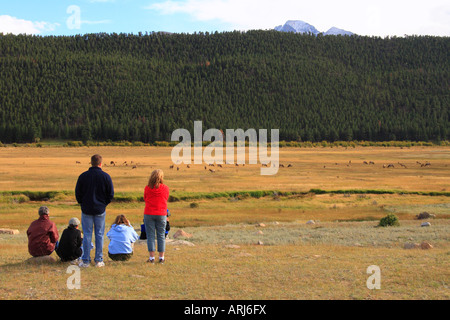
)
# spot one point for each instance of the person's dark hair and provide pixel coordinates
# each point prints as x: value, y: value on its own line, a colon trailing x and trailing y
x: 121, y: 219
x: 96, y: 160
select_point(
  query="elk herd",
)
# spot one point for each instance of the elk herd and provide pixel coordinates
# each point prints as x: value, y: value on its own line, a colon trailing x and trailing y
x: 134, y: 165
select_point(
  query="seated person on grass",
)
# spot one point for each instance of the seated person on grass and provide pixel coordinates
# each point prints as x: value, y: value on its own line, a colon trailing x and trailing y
x: 122, y: 237
x: 42, y: 235
x: 70, y: 245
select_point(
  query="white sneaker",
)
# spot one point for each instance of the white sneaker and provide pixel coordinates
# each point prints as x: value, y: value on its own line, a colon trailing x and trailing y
x: 99, y: 264
x: 83, y: 264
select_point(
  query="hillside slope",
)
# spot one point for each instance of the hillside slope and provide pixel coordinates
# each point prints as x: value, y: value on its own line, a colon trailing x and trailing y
x: 142, y: 87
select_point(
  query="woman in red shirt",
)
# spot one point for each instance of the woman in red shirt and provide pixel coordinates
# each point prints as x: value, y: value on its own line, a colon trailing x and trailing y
x: 156, y: 194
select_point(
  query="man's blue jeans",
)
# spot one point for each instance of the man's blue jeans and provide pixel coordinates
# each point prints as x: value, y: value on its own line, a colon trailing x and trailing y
x: 89, y: 224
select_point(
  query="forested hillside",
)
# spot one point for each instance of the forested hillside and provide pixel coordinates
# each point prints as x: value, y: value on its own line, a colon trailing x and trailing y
x: 142, y: 87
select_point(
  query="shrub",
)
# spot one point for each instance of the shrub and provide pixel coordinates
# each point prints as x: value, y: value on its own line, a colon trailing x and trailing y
x: 389, y: 220
x: 193, y: 205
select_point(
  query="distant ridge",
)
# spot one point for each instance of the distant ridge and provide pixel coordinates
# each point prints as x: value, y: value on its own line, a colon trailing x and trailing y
x: 298, y: 26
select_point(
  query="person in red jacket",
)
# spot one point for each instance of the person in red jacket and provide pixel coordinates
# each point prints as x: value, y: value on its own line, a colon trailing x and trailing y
x: 42, y: 235
x: 156, y: 194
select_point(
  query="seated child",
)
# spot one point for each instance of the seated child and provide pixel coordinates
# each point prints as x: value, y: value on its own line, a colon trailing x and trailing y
x: 122, y: 237
x: 70, y: 245
x: 167, y: 224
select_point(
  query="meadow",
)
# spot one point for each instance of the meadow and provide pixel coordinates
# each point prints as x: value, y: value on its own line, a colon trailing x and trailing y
x: 250, y: 239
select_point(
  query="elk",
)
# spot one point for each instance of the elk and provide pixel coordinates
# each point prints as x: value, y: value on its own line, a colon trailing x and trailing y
x: 289, y: 165
x: 211, y: 170
x: 171, y: 167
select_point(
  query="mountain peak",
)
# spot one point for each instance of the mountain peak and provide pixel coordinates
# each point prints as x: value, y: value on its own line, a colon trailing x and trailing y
x: 337, y: 31
x: 299, y: 26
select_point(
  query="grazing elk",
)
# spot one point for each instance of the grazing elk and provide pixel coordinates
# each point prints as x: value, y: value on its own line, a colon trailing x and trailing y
x: 211, y: 170
x: 289, y: 165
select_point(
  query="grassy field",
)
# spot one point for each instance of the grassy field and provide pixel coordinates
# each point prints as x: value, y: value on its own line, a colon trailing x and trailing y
x: 294, y: 260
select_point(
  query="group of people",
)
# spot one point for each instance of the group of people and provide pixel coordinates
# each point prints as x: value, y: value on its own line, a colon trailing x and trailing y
x: 94, y: 191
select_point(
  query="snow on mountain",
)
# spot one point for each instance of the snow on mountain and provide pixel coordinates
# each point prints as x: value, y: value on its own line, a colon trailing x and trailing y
x: 336, y: 31
x: 298, y: 26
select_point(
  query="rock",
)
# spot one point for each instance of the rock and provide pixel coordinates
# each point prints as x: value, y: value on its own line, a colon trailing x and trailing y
x: 310, y: 222
x: 425, y: 224
x: 9, y: 231
x: 410, y: 245
x: 262, y: 225
x: 232, y: 246
x: 180, y: 243
x: 41, y: 260
x: 260, y: 232
x: 425, y: 215
x: 181, y: 233
x: 425, y: 245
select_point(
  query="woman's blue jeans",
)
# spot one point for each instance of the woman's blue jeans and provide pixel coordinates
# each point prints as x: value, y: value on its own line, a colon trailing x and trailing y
x: 155, y: 225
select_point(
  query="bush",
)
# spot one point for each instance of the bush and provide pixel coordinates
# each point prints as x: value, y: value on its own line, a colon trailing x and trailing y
x: 193, y: 205
x: 389, y: 220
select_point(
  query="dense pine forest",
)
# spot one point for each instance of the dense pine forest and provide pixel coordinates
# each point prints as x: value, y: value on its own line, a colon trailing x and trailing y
x: 142, y: 87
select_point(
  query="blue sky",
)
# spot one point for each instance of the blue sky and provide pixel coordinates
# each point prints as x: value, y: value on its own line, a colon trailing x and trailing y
x: 68, y: 17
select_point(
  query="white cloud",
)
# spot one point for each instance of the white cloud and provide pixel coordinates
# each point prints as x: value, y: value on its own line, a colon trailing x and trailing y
x: 382, y: 17
x: 14, y: 25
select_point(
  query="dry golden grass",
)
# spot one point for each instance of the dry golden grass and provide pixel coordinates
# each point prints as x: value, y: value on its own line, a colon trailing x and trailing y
x: 248, y: 272
x: 55, y: 168
x: 324, y: 261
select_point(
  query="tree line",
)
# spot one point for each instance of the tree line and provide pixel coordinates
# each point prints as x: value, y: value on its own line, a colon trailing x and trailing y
x: 142, y: 87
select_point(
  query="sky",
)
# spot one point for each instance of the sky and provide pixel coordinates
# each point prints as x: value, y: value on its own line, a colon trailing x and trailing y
x: 372, y: 18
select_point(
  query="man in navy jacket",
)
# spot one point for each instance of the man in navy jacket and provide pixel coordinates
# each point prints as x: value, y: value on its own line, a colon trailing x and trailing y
x: 94, y: 191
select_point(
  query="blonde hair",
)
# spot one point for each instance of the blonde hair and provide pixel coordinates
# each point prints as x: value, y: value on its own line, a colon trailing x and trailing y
x: 156, y: 178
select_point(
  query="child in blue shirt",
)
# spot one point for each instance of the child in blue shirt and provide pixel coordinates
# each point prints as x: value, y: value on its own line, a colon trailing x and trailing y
x: 122, y: 237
